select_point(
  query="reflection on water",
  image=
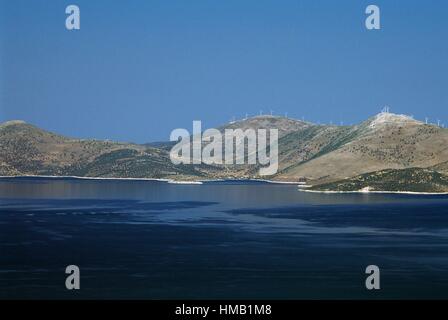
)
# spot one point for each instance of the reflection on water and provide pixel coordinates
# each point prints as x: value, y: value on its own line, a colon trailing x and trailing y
x: 150, y: 239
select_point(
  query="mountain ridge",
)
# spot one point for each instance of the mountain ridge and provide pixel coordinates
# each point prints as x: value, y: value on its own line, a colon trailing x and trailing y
x: 319, y: 154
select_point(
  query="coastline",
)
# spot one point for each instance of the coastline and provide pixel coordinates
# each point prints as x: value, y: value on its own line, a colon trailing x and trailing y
x: 171, y: 181
x: 301, y: 187
x: 377, y: 192
x: 252, y: 180
x: 84, y: 178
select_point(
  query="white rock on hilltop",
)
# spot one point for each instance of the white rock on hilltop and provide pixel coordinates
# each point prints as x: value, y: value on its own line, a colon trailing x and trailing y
x: 385, y: 118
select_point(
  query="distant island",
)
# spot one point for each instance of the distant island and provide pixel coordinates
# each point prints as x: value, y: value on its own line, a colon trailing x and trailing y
x: 387, y: 152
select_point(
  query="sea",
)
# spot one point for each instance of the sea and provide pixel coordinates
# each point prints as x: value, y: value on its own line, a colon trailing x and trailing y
x: 136, y: 239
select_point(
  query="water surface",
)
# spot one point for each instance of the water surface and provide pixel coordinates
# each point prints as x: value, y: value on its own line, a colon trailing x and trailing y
x: 154, y: 240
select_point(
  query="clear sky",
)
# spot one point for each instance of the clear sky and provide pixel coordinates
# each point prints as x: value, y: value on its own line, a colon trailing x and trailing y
x: 138, y: 69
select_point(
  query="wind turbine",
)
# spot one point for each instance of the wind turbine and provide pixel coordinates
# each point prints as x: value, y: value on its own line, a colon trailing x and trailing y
x: 426, y: 120
x: 438, y: 122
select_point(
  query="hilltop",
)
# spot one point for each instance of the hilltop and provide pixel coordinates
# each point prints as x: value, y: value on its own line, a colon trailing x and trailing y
x: 283, y: 124
x: 385, y: 141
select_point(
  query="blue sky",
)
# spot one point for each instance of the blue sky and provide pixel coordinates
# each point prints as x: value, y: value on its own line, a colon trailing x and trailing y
x: 138, y: 69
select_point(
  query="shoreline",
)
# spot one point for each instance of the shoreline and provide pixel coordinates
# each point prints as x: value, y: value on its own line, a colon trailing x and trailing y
x: 301, y: 187
x: 84, y: 178
x: 171, y: 181
x: 376, y: 192
x: 253, y: 180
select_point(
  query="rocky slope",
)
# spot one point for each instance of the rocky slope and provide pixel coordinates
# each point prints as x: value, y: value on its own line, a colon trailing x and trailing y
x: 386, y: 141
x: 28, y: 150
x: 284, y: 125
x: 410, y: 180
x: 319, y: 154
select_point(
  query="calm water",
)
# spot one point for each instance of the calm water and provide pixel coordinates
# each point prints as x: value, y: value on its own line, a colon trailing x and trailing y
x: 139, y: 239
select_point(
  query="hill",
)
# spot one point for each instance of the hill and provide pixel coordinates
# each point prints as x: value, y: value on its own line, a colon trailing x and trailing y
x: 29, y: 150
x: 404, y: 180
x: 322, y: 155
x: 283, y: 124
x: 386, y: 141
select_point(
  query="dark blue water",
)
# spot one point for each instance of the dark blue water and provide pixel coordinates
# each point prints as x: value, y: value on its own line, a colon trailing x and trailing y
x: 154, y: 240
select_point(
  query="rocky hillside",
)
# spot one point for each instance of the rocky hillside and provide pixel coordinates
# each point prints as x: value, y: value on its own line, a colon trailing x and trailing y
x: 386, y: 141
x: 28, y: 150
x: 319, y: 154
x: 284, y: 125
x: 411, y: 180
